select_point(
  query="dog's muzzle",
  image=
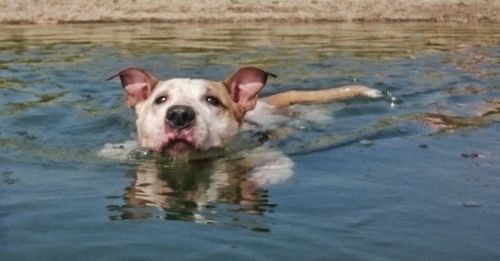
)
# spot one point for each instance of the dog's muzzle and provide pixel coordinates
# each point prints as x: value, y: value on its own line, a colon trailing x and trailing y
x: 180, y: 116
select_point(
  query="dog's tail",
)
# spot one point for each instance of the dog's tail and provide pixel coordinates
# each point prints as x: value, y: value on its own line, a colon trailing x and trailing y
x: 321, y: 96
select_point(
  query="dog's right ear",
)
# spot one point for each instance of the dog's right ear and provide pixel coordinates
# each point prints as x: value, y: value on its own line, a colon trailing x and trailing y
x: 137, y: 84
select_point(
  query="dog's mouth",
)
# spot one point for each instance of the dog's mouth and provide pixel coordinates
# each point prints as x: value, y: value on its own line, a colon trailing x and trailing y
x: 178, y: 146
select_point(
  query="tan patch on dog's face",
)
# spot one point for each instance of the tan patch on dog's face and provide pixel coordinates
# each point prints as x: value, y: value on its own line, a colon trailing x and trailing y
x: 217, y: 117
x: 218, y: 90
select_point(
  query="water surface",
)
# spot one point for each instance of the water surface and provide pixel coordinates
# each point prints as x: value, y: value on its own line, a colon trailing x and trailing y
x: 412, y: 175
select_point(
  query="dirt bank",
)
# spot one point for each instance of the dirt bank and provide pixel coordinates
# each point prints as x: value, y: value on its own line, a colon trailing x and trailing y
x: 64, y: 11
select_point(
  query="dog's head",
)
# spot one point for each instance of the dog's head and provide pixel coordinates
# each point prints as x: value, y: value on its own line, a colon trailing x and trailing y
x: 178, y: 116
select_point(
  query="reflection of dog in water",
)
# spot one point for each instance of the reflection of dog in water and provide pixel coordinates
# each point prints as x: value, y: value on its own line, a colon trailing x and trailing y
x: 190, y: 191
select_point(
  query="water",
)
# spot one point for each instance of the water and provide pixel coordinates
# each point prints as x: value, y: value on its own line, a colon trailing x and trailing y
x: 413, y: 175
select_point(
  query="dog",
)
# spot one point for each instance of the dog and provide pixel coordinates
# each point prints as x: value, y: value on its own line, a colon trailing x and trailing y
x: 181, y: 116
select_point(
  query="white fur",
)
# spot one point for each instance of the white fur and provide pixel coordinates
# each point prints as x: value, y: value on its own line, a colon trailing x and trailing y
x: 372, y: 93
x: 213, y: 126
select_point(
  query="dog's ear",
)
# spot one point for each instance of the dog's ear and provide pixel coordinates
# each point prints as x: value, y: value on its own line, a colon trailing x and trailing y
x: 245, y: 84
x: 137, y: 84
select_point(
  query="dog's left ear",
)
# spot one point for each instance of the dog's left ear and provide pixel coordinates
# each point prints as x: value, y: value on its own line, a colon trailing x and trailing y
x: 245, y: 84
x: 137, y: 84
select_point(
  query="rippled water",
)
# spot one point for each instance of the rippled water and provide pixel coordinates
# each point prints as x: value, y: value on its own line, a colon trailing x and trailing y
x: 412, y: 175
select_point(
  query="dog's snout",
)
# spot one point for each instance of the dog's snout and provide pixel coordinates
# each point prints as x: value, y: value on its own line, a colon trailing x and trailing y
x: 180, y: 116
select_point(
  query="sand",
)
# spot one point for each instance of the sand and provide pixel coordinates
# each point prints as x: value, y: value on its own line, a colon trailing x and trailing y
x: 74, y: 11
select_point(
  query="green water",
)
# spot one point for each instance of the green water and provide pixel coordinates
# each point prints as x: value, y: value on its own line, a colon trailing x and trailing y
x: 412, y: 175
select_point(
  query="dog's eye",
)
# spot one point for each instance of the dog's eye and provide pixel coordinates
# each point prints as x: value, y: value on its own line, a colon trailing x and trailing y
x: 213, y: 101
x: 160, y: 99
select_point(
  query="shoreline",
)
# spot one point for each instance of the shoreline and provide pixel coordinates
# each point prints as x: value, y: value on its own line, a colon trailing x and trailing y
x: 235, y: 11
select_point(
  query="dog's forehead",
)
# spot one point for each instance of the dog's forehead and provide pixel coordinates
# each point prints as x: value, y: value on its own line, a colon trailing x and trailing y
x: 183, y: 84
x: 187, y: 86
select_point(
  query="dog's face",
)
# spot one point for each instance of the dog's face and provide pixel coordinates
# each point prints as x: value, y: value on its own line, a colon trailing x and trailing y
x: 178, y: 116
x: 185, y: 114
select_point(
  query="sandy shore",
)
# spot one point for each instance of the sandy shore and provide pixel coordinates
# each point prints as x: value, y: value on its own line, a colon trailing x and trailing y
x: 71, y: 11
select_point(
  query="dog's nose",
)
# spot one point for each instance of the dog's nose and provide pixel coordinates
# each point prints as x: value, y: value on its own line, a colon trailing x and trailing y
x: 180, y: 116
